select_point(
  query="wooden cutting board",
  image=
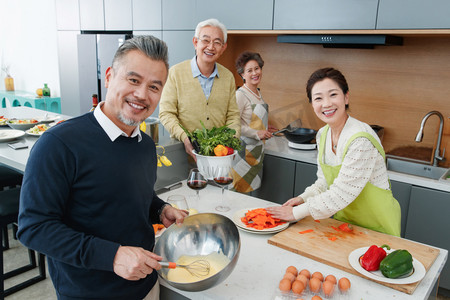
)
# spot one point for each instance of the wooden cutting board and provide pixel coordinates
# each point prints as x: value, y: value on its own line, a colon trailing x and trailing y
x: 317, y: 245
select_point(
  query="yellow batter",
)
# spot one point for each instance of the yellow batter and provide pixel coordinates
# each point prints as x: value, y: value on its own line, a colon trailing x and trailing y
x: 218, y: 261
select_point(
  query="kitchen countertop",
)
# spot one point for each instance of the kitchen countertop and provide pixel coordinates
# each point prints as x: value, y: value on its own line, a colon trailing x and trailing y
x: 261, y: 266
x: 278, y: 146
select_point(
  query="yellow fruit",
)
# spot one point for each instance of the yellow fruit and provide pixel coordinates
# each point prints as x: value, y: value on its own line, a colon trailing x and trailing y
x: 39, y: 92
x: 143, y: 126
x: 165, y: 161
x: 159, y: 164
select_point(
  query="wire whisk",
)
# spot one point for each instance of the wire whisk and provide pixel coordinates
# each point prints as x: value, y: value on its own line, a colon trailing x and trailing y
x: 198, y: 268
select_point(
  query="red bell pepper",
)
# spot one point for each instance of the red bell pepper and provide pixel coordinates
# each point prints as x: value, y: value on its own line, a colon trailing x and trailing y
x: 371, y: 260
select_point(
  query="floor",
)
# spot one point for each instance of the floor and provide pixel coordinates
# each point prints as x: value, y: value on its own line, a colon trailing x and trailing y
x: 17, y: 256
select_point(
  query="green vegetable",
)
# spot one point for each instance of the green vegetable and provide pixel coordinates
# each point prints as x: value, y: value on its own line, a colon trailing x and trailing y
x: 208, y: 139
x: 396, y: 264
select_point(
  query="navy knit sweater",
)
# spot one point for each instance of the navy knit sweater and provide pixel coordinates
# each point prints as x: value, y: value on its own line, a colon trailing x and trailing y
x: 82, y: 197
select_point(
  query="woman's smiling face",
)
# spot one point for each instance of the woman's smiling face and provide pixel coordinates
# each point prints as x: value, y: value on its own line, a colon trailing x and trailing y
x: 329, y: 101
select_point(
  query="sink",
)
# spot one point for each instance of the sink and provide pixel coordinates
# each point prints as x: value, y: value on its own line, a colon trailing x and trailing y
x: 416, y: 169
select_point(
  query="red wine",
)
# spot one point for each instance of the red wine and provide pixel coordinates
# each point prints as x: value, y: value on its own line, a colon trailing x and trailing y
x: 223, y: 180
x: 197, y: 184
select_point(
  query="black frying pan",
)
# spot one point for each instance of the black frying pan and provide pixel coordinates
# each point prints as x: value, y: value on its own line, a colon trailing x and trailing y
x: 300, y: 135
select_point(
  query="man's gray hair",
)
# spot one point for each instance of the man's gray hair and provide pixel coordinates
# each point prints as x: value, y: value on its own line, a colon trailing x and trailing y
x: 213, y: 23
x: 149, y: 45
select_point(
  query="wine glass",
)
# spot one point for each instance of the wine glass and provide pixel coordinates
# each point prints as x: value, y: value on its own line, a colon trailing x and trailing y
x: 223, y: 177
x: 178, y: 201
x: 196, y: 181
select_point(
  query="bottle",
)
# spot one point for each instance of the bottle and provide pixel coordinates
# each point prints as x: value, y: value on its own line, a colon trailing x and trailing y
x: 46, y: 91
x: 94, y: 101
x: 9, y: 83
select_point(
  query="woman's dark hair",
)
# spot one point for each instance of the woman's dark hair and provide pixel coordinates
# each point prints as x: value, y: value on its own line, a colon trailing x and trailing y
x: 322, y: 74
x: 244, y: 58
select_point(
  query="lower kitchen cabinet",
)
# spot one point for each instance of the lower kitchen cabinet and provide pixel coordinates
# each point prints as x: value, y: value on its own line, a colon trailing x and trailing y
x: 402, y: 192
x: 428, y: 222
x: 305, y: 175
x: 278, y: 180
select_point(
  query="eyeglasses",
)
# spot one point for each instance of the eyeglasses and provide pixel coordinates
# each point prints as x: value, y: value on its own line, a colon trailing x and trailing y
x: 215, y: 43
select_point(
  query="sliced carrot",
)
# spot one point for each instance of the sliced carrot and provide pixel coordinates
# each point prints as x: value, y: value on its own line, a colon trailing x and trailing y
x: 346, y: 227
x: 157, y: 227
x: 337, y: 229
x: 306, y: 231
x: 260, y: 219
x: 318, y: 221
x: 333, y: 238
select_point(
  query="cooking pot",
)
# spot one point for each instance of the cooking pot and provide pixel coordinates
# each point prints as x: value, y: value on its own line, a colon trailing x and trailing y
x: 300, y: 135
x: 152, y: 128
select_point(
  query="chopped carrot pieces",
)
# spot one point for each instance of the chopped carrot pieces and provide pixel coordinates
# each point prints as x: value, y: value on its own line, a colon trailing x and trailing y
x: 333, y: 238
x: 346, y: 227
x: 306, y: 231
x: 318, y: 221
x: 260, y: 219
x: 337, y: 229
x: 157, y: 227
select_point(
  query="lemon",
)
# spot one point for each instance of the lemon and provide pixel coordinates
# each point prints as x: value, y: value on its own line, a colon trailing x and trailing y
x: 39, y: 92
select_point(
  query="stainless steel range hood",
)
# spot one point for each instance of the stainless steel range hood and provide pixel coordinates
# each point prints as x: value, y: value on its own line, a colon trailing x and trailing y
x: 364, y: 41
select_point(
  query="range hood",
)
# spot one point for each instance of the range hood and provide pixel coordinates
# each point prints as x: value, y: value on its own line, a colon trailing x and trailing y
x: 364, y: 41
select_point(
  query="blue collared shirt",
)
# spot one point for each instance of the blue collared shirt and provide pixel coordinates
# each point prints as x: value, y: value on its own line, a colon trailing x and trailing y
x: 205, y: 82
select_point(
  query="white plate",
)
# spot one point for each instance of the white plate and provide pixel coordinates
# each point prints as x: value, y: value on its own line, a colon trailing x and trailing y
x: 241, y: 213
x: 49, y: 119
x: 417, y: 274
x: 10, y: 134
x: 34, y: 134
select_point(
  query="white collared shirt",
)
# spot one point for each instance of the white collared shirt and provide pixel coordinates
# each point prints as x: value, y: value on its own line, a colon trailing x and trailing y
x: 110, y: 128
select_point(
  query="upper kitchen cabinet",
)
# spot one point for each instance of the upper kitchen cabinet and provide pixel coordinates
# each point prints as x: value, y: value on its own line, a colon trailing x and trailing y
x: 237, y: 14
x: 67, y: 15
x: 92, y: 15
x: 147, y: 15
x: 179, y: 44
x: 118, y: 15
x: 179, y: 14
x: 325, y: 14
x: 413, y: 14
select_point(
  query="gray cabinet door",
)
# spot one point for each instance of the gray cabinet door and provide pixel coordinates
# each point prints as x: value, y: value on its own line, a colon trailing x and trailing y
x: 237, y: 14
x: 147, y: 15
x: 179, y: 15
x: 118, y: 15
x: 305, y: 175
x: 278, y: 180
x: 91, y: 15
x: 428, y: 222
x: 413, y: 14
x: 325, y: 14
x: 402, y: 192
x: 180, y: 45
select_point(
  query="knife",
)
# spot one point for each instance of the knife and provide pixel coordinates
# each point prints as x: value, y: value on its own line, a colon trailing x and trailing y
x: 169, y: 188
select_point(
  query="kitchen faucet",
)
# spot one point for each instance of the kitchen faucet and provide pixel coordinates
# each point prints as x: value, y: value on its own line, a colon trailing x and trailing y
x: 419, y: 136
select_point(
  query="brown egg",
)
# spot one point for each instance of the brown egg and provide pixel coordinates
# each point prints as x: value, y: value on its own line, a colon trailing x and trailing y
x: 331, y: 278
x: 298, y: 287
x: 285, y: 285
x: 316, y: 298
x: 289, y: 276
x: 306, y: 273
x: 317, y: 275
x: 328, y: 288
x: 303, y: 279
x: 292, y: 269
x: 314, y: 284
x: 344, y: 284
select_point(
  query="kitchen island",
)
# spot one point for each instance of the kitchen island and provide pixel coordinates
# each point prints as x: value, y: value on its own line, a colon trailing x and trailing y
x: 261, y: 266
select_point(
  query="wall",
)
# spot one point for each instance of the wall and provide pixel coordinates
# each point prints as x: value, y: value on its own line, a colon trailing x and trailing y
x: 28, y: 44
x: 390, y: 86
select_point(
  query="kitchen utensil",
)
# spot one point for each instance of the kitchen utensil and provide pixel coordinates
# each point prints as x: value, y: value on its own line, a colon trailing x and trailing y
x: 198, y: 268
x: 169, y: 188
x: 152, y: 128
x: 291, y: 127
x: 317, y: 245
x: 200, y: 234
x: 300, y: 135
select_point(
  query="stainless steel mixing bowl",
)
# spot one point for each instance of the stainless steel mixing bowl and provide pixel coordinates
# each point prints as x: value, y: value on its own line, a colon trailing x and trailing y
x: 200, y: 234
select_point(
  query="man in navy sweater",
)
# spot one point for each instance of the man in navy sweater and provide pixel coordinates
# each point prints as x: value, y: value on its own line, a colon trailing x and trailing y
x: 88, y: 200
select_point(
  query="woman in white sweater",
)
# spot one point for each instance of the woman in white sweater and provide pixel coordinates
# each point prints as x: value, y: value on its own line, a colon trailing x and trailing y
x: 352, y: 182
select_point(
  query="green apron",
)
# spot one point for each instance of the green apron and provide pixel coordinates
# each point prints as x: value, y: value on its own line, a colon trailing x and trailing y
x: 374, y: 208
